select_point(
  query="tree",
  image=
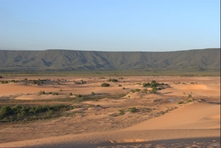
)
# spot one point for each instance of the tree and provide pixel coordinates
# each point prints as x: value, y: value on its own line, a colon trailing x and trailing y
x: 154, y: 90
x: 153, y: 84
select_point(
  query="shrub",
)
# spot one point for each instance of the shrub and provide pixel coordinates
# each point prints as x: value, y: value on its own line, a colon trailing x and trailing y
x: 113, y: 80
x: 133, y: 109
x: 189, y: 100
x: 42, y: 92
x: 154, y: 90
x: 189, y: 96
x: 105, y: 85
x: 4, y: 82
x: 181, y: 102
x: 153, y: 84
x: 145, y: 84
x: 121, y: 112
x: 70, y: 94
x: 5, y: 111
x: 55, y: 93
x: 137, y: 90
x: 92, y: 93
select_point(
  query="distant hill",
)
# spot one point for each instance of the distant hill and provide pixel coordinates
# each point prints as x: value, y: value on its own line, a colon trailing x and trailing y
x: 71, y: 60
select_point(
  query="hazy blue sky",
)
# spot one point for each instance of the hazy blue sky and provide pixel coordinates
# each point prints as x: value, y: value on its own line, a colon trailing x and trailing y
x: 109, y: 25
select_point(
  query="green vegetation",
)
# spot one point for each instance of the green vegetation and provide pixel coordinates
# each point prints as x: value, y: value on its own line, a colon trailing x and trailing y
x: 189, y: 100
x: 41, y: 92
x: 92, y: 93
x: 154, y: 90
x: 4, y: 82
x: 79, y: 95
x: 55, y: 93
x: 121, y: 112
x: 133, y: 109
x: 28, y: 113
x: 189, y: 96
x: 146, y: 84
x: 181, y: 102
x: 70, y: 94
x: 112, y: 80
x: 105, y: 85
x: 155, y: 86
x: 135, y: 90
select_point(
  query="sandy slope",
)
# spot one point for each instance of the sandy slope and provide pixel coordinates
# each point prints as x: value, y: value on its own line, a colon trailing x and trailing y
x: 197, y: 120
x: 194, y: 116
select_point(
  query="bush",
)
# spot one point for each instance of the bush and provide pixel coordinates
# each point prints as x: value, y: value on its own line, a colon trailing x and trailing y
x: 146, y: 84
x: 153, y: 84
x: 113, y: 80
x: 4, y: 82
x: 5, y: 111
x: 42, y: 92
x: 105, y: 85
x: 92, y: 93
x: 133, y: 109
x: 79, y: 95
x: 154, y: 90
x: 55, y: 93
x: 189, y: 96
x: 181, y: 102
x: 70, y: 94
x: 121, y: 112
x: 137, y: 90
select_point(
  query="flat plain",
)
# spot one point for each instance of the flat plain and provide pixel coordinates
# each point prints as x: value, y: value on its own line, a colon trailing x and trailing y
x: 180, y: 112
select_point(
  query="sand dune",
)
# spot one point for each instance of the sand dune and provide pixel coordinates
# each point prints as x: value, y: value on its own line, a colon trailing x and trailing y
x: 193, y: 116
x: 190, y: 122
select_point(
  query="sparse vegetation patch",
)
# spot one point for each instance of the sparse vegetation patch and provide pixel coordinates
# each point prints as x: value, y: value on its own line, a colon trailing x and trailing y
x: 105, y: 85
x: 28, y: 113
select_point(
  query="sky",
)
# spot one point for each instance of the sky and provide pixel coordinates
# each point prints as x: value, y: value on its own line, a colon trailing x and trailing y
x: 109, y: 25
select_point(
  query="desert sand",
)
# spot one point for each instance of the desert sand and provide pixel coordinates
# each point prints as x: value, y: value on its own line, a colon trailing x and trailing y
x: 160, y: 120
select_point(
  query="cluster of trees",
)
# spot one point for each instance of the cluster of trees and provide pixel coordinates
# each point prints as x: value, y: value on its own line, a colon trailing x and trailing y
x: 154, y: 85
x: 18, y: 112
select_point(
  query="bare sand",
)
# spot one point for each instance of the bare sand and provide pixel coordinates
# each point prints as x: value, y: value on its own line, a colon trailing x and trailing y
x: 167, y: 124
